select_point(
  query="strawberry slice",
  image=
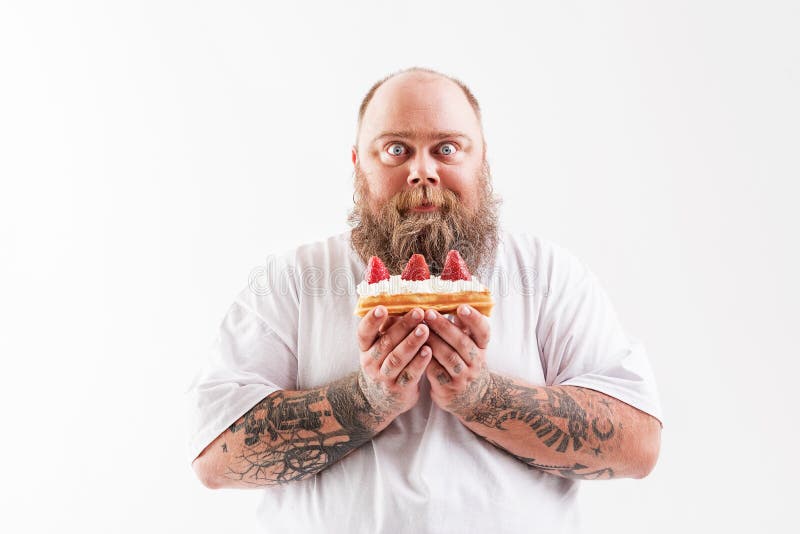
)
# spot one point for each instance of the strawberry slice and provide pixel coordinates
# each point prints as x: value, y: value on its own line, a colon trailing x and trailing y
x: 455, y: 268
x: 376, y: 271
x: 416, y: 269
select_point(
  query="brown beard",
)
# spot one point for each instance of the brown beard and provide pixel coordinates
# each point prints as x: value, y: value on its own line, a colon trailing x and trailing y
x: 393, y: 233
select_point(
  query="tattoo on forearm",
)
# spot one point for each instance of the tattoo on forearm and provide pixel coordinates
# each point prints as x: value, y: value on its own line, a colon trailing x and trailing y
x: 556, y: 418
x: 603, y: 436
x: 565, y: 471
x: 284, y: 433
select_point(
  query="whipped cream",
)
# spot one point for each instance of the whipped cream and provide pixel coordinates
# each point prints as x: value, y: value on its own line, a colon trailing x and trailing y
x: 396, y: 286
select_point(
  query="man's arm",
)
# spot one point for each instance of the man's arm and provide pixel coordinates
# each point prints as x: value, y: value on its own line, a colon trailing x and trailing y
x: 290, y: 435
x: 293, y: 435
x: 568, y: 431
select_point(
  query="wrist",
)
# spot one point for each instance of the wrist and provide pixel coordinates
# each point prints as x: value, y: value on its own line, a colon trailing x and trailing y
x: 475, y: 401
x: 380, y: 409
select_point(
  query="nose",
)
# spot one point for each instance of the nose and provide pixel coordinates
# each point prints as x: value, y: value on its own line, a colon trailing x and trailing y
x: 422, y: 170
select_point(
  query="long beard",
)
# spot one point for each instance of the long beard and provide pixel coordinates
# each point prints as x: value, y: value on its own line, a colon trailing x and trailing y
x: 393, y: 232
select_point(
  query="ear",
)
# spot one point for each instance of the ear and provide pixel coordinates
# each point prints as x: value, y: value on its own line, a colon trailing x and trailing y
x: 354, y: 155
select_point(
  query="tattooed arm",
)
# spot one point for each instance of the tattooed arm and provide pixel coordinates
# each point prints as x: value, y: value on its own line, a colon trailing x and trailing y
x: 293, y: 435
x: 290, y: 435
x: 569, y: 431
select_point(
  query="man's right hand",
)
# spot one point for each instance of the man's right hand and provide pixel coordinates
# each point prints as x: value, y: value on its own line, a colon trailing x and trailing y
x: 393, y: 360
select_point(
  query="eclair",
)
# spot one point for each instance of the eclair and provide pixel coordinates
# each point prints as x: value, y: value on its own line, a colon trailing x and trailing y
x: 416, y: 288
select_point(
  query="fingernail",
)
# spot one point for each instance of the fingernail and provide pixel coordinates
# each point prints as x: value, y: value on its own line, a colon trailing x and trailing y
x: 419, y: 331
x: 379, y: 311
x: 417, y: 314
x: 431, y: 315
x: 464, y: 310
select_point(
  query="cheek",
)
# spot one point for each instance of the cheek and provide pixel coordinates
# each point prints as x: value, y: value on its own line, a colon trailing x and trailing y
x: 466, y: 188
x: 386, y: 184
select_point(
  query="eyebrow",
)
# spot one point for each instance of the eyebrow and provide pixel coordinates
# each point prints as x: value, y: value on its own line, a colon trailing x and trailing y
x: 408, y: 134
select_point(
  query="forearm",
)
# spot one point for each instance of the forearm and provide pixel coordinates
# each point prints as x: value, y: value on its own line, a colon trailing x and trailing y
x: 290, y: 435
x: 568, y: 431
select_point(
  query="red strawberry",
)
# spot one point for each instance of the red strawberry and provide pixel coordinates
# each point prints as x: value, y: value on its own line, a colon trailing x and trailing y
x: 416, y: 269
x: 376, y: 271
x: 455, y: 268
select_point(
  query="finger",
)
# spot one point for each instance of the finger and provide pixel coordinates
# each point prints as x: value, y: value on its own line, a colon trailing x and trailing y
x: 413, y: 372
x: 399, y: 357
x: 383, y: 344
x: 477, y: 324
x: 369, y: 325
x: 451, y: 334
x: 446, y: 355
x: 399, y: 327
x: 437, y: 374
x: 385, y: 340
x: 464, y: 328
x: 387, y: 324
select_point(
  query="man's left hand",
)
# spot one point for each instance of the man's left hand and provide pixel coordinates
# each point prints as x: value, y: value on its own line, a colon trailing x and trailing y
x: 457, y: 372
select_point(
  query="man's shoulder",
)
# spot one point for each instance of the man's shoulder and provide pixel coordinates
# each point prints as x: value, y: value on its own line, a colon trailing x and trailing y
x: 295, y: 270
x: 526, y: 250
x: 524, y: 246
x: 333, y: 245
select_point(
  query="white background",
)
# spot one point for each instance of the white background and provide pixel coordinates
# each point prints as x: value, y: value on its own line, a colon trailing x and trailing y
x: 153, y: 153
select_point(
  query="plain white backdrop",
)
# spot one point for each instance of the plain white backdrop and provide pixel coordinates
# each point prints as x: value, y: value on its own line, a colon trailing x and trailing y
x: 153, y: 153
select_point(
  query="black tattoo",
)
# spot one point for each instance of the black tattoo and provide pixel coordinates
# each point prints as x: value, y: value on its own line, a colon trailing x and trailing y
x: 404, y: 378
x: 457, y: 369
x: 376, y: 354
x: 464, y: 404
x: 224, y: 447
x: 285, y: 439
x: 472, y: 354
x: 555, y: 417
x: 507, y: 401
x: 604, y: 473
x: 603, y: 436
x: 381, y: 402
x: 443, y: 378
x: 562, y: 470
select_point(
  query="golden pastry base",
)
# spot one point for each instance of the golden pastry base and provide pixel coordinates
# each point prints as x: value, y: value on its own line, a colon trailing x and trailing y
x: 441, y: 302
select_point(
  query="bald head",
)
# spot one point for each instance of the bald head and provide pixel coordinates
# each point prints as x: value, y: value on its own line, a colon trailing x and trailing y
x: 426, y: 86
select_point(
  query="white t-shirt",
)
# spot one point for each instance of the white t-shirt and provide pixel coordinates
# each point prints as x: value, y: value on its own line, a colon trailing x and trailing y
x: 294, y: 328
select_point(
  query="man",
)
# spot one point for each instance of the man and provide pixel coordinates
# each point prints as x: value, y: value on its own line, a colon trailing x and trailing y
x: 422, y: 423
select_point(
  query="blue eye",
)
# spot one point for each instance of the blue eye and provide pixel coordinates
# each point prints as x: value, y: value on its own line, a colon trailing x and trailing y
x: 396, y: 149
x: 448, y: 149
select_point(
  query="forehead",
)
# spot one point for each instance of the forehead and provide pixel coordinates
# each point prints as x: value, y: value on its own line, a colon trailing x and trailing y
x: 426, y: 106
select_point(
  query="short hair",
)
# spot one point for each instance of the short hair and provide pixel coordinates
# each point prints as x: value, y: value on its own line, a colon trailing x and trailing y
x: 371, y: 93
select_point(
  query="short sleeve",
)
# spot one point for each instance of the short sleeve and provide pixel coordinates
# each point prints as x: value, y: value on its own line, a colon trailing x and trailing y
x: 583, y: 344
x: 253, y: 355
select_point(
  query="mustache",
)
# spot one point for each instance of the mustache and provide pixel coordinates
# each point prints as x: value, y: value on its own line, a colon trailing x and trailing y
x: 425, y: 195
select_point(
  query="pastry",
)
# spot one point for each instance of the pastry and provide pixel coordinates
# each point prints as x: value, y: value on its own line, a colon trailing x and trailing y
x: 416, y: 288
